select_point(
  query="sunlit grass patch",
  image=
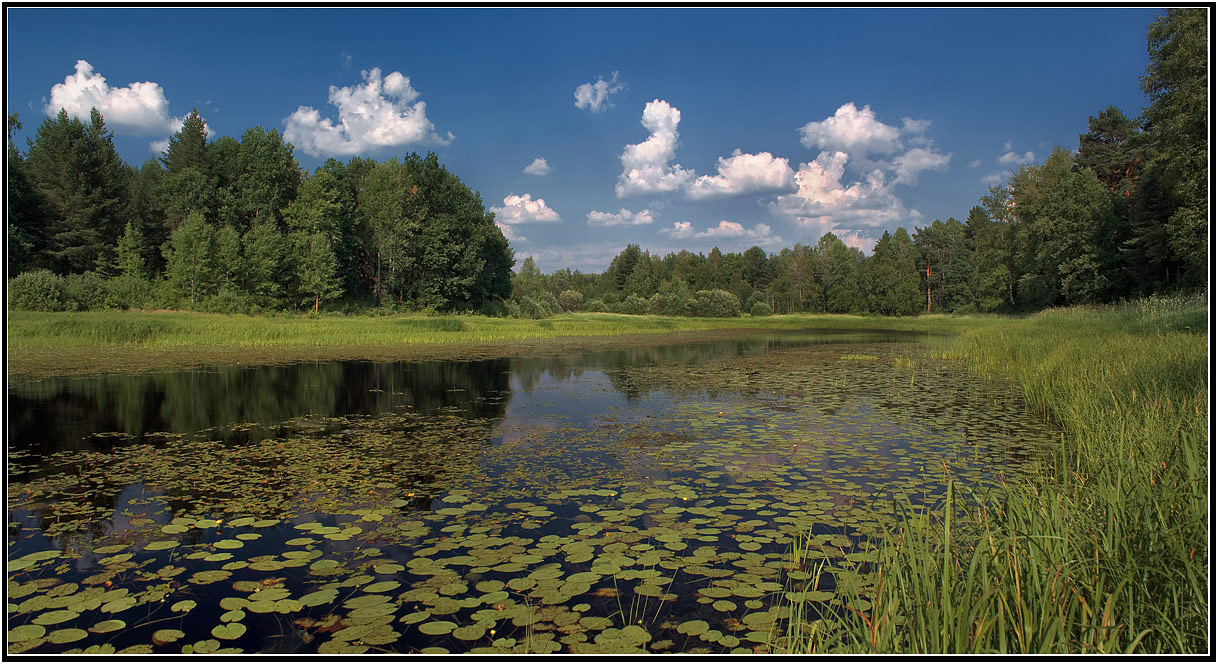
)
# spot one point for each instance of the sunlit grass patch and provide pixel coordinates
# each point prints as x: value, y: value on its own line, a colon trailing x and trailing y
x: 1105, y: 549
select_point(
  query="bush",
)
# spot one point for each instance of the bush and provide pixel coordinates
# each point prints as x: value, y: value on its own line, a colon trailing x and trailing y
x: 36, y: 290
x: 494, y: 309
x: 228, y: 301
x: 633, y: 304
x: 127, y: 292
x: 671, y: 304
x: 527, y: 307
x: 596, y: 306
x: 571, y: 300
x: 84, y: 292
x: 761, y: 309
x: 716, y: 303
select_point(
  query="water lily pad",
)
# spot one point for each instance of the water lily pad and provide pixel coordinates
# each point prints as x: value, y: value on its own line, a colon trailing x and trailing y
x: 320, y: 597
x: 693, y: 627
x: 57, y: 616
x: 469, y: 632
x: 228, y: 631
x: 26, y: 632
x: 437, y: 627
x: 382, y: 586
x: 112, y: 625
x: 69, y: 635
x: 163, y: 636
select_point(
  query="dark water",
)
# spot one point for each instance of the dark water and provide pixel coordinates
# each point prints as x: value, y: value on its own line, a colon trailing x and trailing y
x: 77, y: 413
x: 642, y: 499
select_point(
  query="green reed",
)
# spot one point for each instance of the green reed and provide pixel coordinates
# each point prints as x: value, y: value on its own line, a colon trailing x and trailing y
x: 1105, y: 550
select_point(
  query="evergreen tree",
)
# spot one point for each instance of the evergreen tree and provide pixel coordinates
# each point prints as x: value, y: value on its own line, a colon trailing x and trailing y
x: 838, y: 274
x: 1177, y: 119
x: 266, y: 263
x: 188, y: 147
x: 130, y: 253
x: 316, y: 268
x: 190, y: 259
x: 26, y: 241
x: 267, y: 176
x: 76, y: 173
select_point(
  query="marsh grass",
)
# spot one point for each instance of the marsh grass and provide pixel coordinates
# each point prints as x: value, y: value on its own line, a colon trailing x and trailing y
x: 1105, y: 550
x: 72, y: 343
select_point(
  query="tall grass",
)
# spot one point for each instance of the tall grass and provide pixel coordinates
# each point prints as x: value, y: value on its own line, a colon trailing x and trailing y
x: 62, y: 343
x: 1105, y: 550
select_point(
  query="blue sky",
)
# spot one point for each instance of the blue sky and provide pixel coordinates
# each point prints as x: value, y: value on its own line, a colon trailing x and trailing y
x: 670, y: 128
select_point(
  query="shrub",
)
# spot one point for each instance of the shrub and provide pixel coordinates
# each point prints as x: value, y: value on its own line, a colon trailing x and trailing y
x: 128, y: 292
x: 761, y: 309
x: 633, y: 304
x: 36, y: 290
x: 494, y: 309
x: 84, y: 292
x: 227, y: 301
x: 571, y: 300
x: 716, y: 303
x: 527, y: 307
x: 595, y: 305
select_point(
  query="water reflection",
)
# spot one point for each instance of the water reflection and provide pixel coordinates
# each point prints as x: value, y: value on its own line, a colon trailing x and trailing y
x: 79, y: 413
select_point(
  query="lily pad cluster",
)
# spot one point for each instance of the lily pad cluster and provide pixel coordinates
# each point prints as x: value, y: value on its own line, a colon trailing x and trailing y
x: 669, y: 525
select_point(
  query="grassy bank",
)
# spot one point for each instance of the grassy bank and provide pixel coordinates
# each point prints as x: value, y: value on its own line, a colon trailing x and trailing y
x: 1107, y: 550
x: 43, y: 344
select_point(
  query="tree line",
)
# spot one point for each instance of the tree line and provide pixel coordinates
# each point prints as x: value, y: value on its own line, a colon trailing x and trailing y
x: 1124, y: 216
x: 236, y: 225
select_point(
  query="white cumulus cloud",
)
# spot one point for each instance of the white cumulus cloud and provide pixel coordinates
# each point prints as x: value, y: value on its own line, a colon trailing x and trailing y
x: 742, y: 174
x: 851, y: 130
x: 912, y: 126
x: 760, y: 234
x: 381, y: 113
x: 524, y: 210
x: 646, y: 167
x: 824, y: 200
x: 538, y: 167
x: 510, y: 234
x: 139, y: 108
x: 622, y: 217
x: 1010, y: 158
x: 909, y: 164
x: 595, y: 96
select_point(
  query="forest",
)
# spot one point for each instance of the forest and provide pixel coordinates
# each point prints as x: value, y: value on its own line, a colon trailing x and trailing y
x: 236, y: 225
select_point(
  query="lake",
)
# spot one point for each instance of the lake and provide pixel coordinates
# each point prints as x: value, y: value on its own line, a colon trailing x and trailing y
x: 642, y: 499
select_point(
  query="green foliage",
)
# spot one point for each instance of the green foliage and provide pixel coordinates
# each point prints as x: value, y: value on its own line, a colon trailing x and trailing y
x: 316, y: 268
x: 79, y: 182
x: 891, y: 276
x: 36, y: 290
x: 716, y: 303
x: 190, y: 258
x: 632, y: 304
x: 673, y: 299
x: 571, y: 300
x: 84, y: 292
x: 129, y: 292
x: 266, y: 263
x: 130, y: 252
x: 837, y: 271
x: 761, y: 309
x: 188, y: 147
